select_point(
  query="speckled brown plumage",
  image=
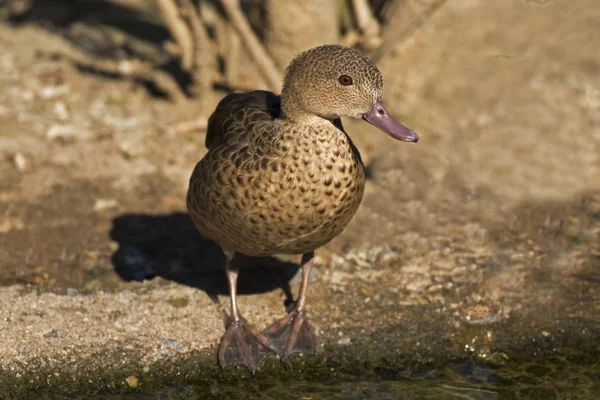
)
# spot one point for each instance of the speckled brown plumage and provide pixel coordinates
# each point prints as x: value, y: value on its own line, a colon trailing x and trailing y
x: 282, y: 176
x: 267, y: 186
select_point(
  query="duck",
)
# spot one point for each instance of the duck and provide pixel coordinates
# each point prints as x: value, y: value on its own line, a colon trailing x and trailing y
x: 282, y: 176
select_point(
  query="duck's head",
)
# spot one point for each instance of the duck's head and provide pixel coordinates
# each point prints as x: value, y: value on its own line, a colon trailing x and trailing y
x: 335, y: 81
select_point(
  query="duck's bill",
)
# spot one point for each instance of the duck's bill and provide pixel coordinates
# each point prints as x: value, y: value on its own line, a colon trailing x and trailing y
x: 381, y: 118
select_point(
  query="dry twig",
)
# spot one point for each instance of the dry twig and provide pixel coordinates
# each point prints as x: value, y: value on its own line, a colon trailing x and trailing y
x: 180, y: 31
x: 204, y: 53
x: 350, y: 39
x: 367, y: 24
x: 233, y: 56
x: 136, y: 70
x: 257, y: 51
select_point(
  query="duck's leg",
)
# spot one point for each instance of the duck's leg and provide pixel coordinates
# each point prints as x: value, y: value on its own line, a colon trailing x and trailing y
x: 239, y: 345
x: 293, y: 334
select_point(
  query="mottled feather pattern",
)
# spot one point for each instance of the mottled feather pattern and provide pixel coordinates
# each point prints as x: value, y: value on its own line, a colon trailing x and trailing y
x: 267, y: 187
x: 238, y: 113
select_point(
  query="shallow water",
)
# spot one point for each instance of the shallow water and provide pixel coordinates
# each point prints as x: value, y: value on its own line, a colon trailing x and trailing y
x: 560, y: 377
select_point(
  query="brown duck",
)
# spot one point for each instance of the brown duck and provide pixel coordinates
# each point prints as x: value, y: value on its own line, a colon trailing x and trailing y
x: 281, y: 176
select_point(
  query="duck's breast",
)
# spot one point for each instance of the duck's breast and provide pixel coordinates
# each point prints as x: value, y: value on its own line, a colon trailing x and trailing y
x: 289, y: 192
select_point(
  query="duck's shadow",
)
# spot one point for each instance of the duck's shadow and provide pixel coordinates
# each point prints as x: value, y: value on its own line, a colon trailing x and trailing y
x: 169, y: 246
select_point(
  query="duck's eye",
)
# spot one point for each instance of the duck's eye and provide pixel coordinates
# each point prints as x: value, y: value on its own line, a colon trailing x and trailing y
x: 345, y: 80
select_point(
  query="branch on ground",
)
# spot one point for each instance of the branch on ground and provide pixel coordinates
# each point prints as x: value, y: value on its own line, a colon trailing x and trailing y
x: 264, y: 62
x: 180, y: 31
x: 205, y: 55
x: 368, y: 26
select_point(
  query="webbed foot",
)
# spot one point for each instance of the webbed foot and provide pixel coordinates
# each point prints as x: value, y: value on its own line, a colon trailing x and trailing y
x: 240, y: 346
x: 292, y: 334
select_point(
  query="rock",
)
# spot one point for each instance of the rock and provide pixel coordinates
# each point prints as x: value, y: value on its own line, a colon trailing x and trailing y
x: 171, y: 343
x: 132, y: 381
x: 50, y: 92
x: 53, y: 334
x: 105, y: 204
x: 61, y: 111
x: 20, y: 162
x: 132, y: 147
x: 67, y: 133
x: 344, y: 341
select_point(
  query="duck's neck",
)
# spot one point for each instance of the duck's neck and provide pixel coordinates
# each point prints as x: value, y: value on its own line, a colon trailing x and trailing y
x: 319, y: 136
x: 314, y: 126
x: 309, y: 124
x: 294, y: 109
x: 295, y: 114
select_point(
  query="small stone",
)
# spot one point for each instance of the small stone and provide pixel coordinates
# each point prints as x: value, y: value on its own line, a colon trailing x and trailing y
x: 61, y: 111
x: 67, y: 133
x: 20, y: 162
x: 344, y: 341
x: 336, y: 277
x: 545, y: 333
x: 50, y: 92
x: 132, y: 381
x: 132, y: 148
x: 162, y: 352
x: 171, y: 343
x: 104, y: 204
x: 53, y: 334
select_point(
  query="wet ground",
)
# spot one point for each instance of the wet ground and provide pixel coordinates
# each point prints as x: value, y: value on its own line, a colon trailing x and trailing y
x: 557, y: 377
x: 470, y: 271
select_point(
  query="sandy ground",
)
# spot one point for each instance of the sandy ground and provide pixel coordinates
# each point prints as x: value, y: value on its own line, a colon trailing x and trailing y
x: 483, y: 240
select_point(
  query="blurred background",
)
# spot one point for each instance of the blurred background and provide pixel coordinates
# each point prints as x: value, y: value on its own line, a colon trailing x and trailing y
x: 493, y: 216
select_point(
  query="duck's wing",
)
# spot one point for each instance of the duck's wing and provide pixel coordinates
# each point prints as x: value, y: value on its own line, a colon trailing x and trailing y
x: 238, y: 115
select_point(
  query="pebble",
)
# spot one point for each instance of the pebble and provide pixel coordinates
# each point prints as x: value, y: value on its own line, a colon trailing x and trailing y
x: 132, y: 381
x: 52, y: 334
x: 171, y: 343
x: 61, y: 111
x: 20, y: 162
x: 104, y: 204
x: 131, y: 148
x: 50, y: 92
x: 66, y: 133
x: 336, y: 277
x: 344, y: 341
